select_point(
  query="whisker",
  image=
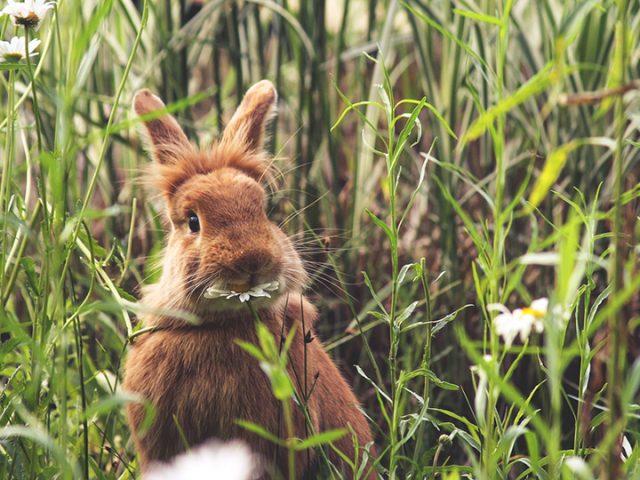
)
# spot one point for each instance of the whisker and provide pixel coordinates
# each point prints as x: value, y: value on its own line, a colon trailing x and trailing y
x: 299, y: 211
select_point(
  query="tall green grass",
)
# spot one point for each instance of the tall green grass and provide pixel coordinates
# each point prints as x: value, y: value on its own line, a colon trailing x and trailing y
x: 437, y: 157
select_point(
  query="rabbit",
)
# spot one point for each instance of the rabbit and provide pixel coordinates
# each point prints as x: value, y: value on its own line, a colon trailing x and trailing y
x: 195, y: 375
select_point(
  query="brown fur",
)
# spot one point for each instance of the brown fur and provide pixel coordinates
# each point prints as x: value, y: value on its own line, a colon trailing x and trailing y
x: 196, y: 376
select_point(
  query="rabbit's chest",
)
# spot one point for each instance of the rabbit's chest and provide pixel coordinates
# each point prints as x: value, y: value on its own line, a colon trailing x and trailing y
x: 215, y: 383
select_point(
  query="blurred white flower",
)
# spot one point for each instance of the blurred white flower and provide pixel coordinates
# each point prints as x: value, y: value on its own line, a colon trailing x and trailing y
x: 14, y: 50
x: 578, y: 467
x: 561, y: 314
x: 107, y: 380
x: 27, y: 13
x: 228, y: 461
x: 520, y: 322
x: 627, y: 449
x: 261, y: 290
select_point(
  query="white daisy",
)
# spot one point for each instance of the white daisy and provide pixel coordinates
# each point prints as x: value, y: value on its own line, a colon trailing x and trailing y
x: 14, y: 50
x: 261, y: 290
x: 520, y: 322
x: 27, y: 13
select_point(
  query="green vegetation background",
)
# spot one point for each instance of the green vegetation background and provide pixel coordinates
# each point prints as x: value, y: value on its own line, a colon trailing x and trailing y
x: 488, y: 154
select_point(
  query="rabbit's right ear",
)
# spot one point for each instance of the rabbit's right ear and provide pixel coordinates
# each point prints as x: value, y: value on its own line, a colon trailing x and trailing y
x: 167, y: 140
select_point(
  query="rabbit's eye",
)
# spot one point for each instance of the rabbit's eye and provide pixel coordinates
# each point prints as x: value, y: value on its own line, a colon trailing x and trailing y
x: 194, y: 223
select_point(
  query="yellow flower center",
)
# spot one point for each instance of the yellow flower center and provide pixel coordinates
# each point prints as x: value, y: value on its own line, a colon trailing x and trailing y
x: 533, y: 311
x: 30, y: 20
x: 13, y: 57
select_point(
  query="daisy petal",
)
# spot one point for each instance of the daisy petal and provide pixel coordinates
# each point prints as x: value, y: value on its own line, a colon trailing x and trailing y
x: 260, y: 294
x: 540, y: 305
x: 498, y: 307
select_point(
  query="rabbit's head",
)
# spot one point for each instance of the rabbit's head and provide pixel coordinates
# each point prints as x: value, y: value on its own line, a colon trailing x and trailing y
x: 222, y: 249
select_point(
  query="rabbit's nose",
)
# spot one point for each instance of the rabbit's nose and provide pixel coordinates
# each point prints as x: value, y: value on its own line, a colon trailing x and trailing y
x: 253, y: 262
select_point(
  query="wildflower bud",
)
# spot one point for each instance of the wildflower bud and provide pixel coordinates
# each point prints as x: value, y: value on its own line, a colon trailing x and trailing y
x: 444, y: 440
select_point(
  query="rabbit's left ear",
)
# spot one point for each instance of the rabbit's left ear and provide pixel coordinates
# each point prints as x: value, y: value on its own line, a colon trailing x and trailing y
x: 248, y: 124
x: 166, y: 139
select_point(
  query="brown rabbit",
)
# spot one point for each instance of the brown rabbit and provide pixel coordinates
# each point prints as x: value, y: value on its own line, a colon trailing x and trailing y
x: 197, y: 378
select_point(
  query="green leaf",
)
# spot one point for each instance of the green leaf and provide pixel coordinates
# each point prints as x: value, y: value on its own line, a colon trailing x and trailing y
x: 444, y: 321
x: 412, y: 198
x: 403, y: 138
x: 554, y: 164
x: 260, y: 431
x: 320, y: 439
x: 403, y: 272
x: 29, y: 267
x: 110, y: 403
x: 267, y: 343
x: 440, y: 383
x: 536, y: 85
x: 479, y: 17
x: 375, y: 385
x: 508, y: 439
x: 472, y: 427
x: 39, y: 436
x: 550, y: 172
x: 126, y: 295
x: 251, y: 349
x: 367, y: 282
x: 406, y: 313
x: 381, y: 224
x: 379, y: 315
x: 280, y: 381
x: 287, y: 345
